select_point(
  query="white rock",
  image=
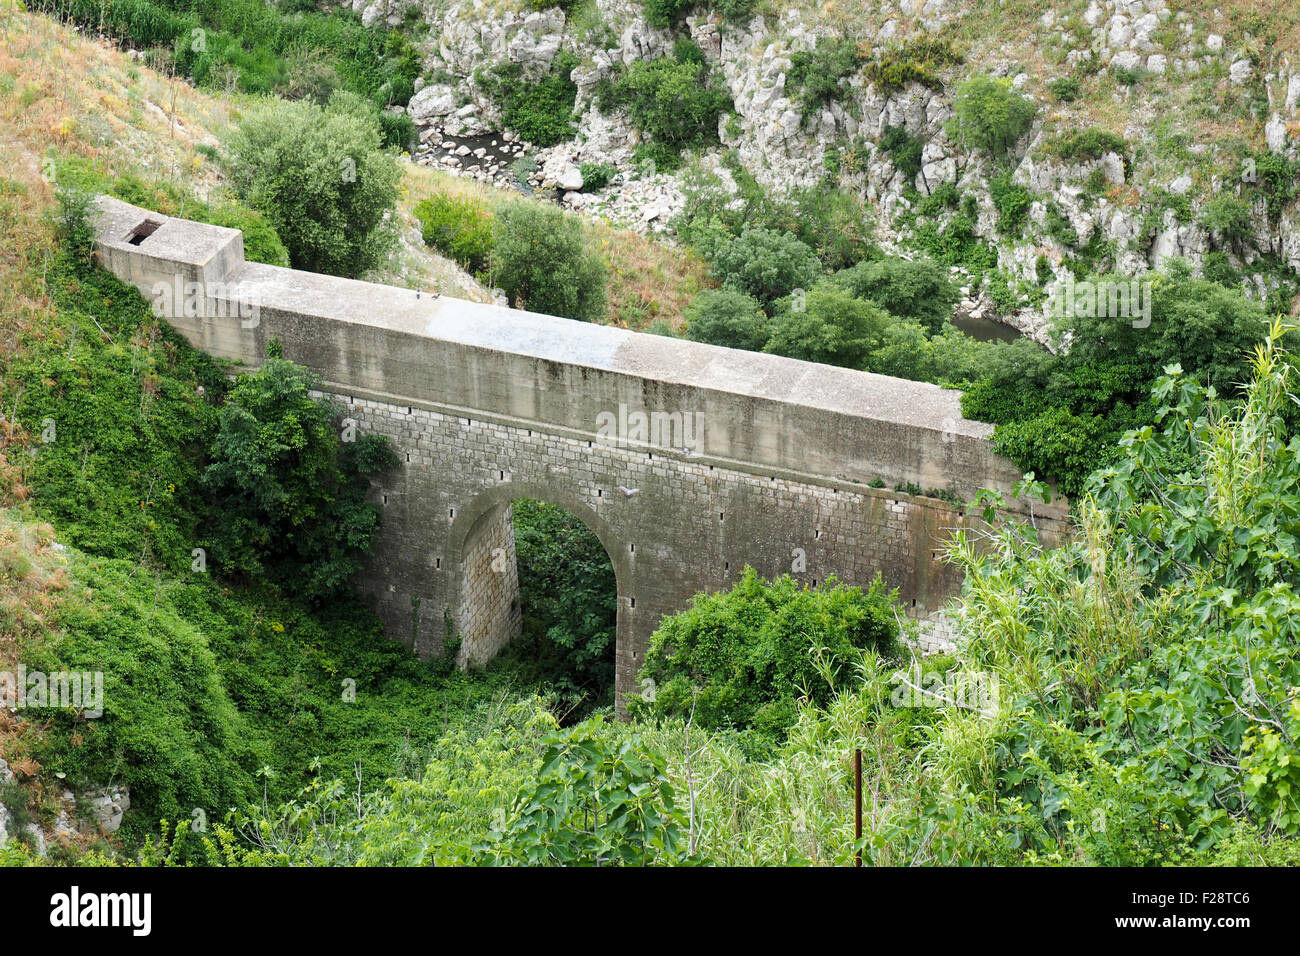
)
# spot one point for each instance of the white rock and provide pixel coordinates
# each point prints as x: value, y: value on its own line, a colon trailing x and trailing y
x: 1125, y: 60
x: 1143, y: 29
x: 1293, y: 92
x: 1120, y: 34
x: 431, y: 103
x: 108, y: 805
x: 1156, y: 63
x: 1214, y: 43
x: 1275, y: 134
x: 1113, y: 164
x: 570, y: 179
x: 1240, y: 71
x: 1180, y: 185
x: 38, y: 838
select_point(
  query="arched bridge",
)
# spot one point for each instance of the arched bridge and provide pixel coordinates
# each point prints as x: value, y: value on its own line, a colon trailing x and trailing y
x: 688, y: 461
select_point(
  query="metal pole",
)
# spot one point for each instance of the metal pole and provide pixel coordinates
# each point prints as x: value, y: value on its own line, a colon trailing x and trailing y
x: 857, y: 804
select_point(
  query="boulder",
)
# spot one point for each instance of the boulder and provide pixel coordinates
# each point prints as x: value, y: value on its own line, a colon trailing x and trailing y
x: 431, y: 103
x: 1275, y: 134
x: 570, y: 180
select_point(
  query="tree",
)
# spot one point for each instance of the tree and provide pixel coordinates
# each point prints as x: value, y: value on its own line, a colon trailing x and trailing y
x: 541, y: 259
x: 991, y: 115
x: 1205, y: 328
x: 741, y: 658
x: 729, y: 318
x: 288, y: 493
x: 834, y: 328
x: 766, y: 264
x: 321, y: 179
x: 916, y: 289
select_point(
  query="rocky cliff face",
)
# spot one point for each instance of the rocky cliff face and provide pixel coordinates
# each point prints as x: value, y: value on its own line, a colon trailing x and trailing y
x: 1191, y: 105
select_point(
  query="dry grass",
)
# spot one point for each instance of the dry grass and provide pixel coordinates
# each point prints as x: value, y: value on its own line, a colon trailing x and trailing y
x: 63, y: 94
x: 31, y: 576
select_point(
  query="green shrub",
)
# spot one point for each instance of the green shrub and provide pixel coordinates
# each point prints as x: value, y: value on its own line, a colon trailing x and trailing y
x: 1278, y: 179
x: 1059, y: 226
x: 836, y: 223
x: 728, y: 318
x: 1089, y: 144
x: 919, y: 290
x: 735, y: 10
x: 676, y: 103
x: 596, y: 176
x: 686, y: 50
x: 320, y: 178
x: 261, y: 242
x: 1228, y: 216
x: 289, y: 495
x: 459, y: 227
x: 741, y: 658
x: 765, y: 264
x: 829, y: 326
x: 956, y: 244
x: 538, y: 109
x: 602, y: 798
x: 817, y: 77
x: 541, y: 260
x: 991, y: 115
x: 1012, y: 201
x: 662, y: 13
x: 1130, y: 75
x: 904, y: 151
x: 1065, y: 89
x: 914, y: 62
x: 398, y: 130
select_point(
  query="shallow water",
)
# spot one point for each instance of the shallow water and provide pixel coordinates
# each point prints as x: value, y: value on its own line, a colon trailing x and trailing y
x: 985, y: 330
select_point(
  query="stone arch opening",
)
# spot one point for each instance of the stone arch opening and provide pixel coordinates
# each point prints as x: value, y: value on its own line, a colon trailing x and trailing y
x: 487, y: 606
x: 569, y: 605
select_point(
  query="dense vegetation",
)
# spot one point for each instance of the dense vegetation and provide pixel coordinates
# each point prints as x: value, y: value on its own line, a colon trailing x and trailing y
x: 1127, y: 698
x: 673, y: 100
x: 741, y: 658
x: 290, y: 48
x: 540, y: 109
x: 207, y: 680
x: 1135, y: 702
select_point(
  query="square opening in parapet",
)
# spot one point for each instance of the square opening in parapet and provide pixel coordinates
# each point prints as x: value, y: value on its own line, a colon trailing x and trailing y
x: 142, y: 232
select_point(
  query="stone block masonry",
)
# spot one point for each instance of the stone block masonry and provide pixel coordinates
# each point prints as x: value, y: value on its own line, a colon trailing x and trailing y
x: 688, y: 461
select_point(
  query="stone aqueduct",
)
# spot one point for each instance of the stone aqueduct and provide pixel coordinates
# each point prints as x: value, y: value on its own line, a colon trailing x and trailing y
x: 688, y: 461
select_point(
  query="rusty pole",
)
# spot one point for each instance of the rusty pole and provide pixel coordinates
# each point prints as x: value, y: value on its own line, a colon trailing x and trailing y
x: 857, y: 804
